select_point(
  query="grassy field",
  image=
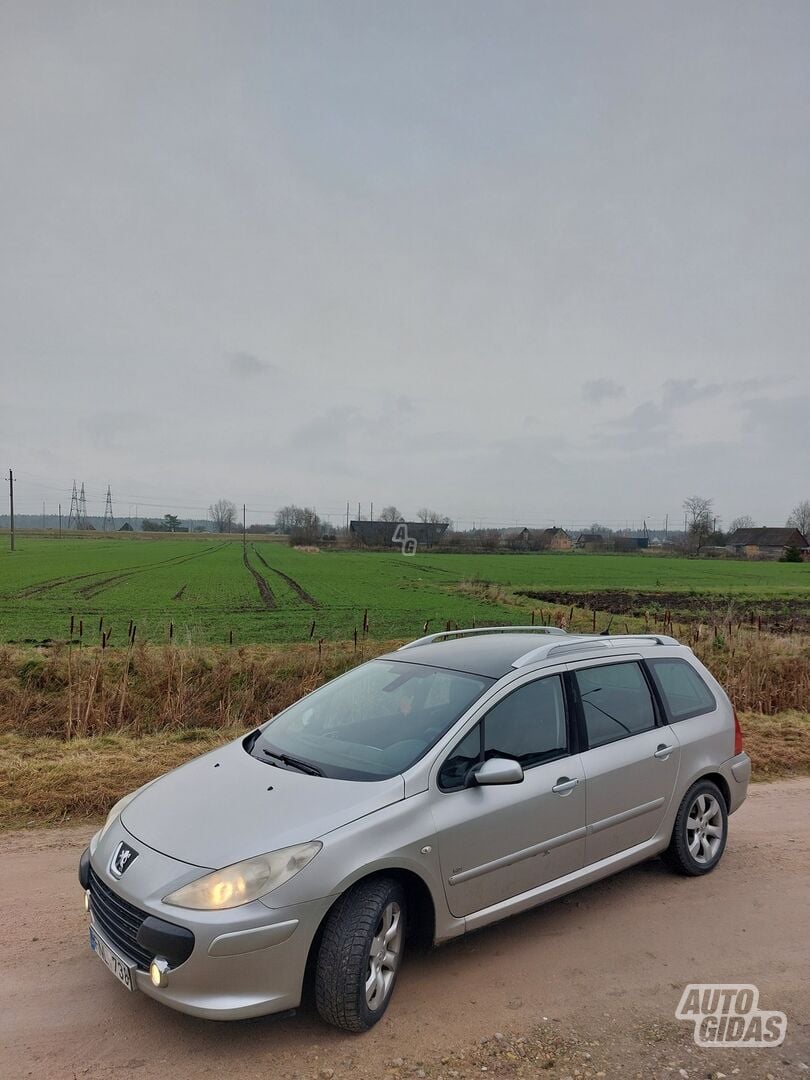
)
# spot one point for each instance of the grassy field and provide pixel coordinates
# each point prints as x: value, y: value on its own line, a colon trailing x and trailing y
x: 207, y: 588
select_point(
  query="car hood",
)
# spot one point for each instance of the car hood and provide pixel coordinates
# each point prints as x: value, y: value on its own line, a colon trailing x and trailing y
x: 227, y: 806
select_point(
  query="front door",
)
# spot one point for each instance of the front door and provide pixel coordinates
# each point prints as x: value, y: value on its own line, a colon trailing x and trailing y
x: 498, y: 841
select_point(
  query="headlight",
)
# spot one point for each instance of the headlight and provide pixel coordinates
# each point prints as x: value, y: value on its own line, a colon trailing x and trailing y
x: 244, y: 881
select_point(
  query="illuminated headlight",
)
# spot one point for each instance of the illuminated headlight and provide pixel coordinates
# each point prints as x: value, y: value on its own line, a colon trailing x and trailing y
x: 244, y: 881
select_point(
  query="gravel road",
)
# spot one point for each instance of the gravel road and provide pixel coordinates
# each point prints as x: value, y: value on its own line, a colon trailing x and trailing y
x: 584, y: 987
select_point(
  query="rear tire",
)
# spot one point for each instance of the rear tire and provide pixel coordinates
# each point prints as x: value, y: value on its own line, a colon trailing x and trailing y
x: 360, y: 954
x: 700, y: 831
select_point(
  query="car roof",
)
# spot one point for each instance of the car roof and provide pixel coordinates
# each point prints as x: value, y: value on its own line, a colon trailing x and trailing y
x: 496, y: 654
x: 492, y: 655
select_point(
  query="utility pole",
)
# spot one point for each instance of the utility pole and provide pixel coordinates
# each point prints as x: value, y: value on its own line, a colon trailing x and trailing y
x: 666, y: 526
x: 60, y: 521
x: 11, y: 503
x: 358, y: 511
x: 347, y: 518
x: 371, y: 515
x: 244, y: 527
x: 43, y: 515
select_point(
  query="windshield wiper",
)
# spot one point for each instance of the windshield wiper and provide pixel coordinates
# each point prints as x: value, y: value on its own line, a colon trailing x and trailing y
x: 294, y: 763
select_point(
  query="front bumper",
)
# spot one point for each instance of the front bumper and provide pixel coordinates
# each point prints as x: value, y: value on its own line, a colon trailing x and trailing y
x: 244, y: 962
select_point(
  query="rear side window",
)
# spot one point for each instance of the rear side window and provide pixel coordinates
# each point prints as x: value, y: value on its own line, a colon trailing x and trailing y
x: 616, y: 702
x: 683, y: 691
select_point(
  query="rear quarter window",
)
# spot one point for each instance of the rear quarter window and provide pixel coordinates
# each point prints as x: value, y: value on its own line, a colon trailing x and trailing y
x: 683, y: 691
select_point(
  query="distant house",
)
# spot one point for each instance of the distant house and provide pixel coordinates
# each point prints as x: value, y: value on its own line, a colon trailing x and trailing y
x: 589, y: 540
x: 517, y: 537
x: 631, y: 543
x: 126, y: 527
x: 381, y: 533
x: 554, y: 540
x: 766, y: 542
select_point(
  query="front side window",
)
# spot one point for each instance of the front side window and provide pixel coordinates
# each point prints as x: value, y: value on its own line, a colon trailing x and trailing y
x: 616, y: 702
x: 370, y: 724
x: 683, y: 691
x: 527, y: 726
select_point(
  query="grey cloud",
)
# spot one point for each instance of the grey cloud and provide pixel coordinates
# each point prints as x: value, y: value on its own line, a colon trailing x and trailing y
x: 246, y: 365
x: 598, y: 390
x: 678, y: 392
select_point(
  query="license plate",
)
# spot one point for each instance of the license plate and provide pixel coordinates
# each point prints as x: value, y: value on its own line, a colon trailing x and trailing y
x: 117, y: 965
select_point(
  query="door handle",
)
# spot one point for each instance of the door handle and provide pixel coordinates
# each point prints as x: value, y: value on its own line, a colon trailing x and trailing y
x: 564, y: 786
x: 663, y: 752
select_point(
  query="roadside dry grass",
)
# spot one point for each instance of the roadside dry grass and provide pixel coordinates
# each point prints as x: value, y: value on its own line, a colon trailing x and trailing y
x: 70, y: 692
x: 46, y: 780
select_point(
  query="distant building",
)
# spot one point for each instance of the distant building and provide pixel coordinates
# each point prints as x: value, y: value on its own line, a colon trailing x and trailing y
x: 381, y: 533
x: 554, y: 540
x: 631, y: 543
x: 126, y: 527
x: 517, y: 537
x: 766, y: 542
x: 589, y: 540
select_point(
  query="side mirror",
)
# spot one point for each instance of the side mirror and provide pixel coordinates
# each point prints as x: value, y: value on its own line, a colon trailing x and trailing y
x: 497, y: 770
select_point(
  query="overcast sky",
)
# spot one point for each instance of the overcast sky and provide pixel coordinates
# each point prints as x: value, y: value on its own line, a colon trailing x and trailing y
x: 514, y: 261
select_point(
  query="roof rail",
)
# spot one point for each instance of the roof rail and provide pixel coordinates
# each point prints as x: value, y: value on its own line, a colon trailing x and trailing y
x: 480, y: 630
x: 587, y: 642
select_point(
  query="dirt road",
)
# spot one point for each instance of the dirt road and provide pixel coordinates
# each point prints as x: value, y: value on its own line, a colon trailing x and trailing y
x: 584, y: 987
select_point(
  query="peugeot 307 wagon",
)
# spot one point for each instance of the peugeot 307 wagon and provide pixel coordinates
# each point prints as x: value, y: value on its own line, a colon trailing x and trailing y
x: 431, y: 791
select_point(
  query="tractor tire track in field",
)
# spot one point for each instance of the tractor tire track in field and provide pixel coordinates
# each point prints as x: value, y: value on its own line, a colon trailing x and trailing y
x: 265, y: 591
x: 55, y: 583
x: 299, y: 591
x: 87, y: 592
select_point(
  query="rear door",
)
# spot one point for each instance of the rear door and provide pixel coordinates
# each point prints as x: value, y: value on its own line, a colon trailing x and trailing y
x: 498, y: 841
x: 630, y: 757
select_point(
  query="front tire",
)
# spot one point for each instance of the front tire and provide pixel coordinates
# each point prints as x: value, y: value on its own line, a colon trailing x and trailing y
x: 700, y: 831
x: 360, y: 954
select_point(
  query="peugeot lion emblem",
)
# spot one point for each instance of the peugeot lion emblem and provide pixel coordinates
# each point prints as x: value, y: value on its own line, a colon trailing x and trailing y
x: 123, y: 856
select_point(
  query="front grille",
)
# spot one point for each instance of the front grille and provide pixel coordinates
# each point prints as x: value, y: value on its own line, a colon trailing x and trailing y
x: 118, y: 920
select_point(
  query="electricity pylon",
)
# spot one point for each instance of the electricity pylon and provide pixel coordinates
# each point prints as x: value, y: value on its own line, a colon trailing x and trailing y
x: 73, y: 517
x: 108, y: 513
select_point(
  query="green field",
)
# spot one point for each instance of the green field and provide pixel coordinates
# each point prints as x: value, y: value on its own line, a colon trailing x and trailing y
x: 203, y: 587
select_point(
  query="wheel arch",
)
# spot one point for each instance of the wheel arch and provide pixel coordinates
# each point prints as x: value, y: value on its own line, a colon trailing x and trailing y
x: 421, y: 908
x: 720, y: 782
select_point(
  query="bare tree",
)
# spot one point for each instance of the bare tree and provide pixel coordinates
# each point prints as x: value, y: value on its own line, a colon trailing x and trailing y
x: 431, y: 520
x: 223, y: 515
x: 285, y: 518
x: 306, y: 528
x: 800, y: 518
x: 744, y: 521
x: 301, y: 523
x: 698, y: 519
x: 390, y: 513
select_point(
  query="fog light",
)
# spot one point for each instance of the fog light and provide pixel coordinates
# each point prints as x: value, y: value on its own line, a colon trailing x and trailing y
x: 159, y: 972
x: 87, y: 900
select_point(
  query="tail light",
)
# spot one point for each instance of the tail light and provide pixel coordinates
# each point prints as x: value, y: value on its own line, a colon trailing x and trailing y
x: 738, y: 736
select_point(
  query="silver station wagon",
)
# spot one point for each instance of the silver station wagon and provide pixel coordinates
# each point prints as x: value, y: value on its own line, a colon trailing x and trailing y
x: 431, y: 791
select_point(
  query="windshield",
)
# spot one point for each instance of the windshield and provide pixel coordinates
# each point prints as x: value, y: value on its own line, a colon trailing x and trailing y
x: 370, y: 724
